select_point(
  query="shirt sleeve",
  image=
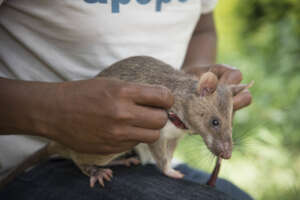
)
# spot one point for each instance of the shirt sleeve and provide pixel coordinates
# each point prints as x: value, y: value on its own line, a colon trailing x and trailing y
x: 207, y: 5
x: 1, y: 1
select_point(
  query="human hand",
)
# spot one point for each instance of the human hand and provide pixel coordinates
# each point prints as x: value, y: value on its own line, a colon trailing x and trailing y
x: 107, y: 116
x: 227, y: 75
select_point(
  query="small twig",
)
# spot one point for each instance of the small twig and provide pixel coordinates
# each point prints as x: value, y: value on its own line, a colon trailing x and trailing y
x: 213, y: 178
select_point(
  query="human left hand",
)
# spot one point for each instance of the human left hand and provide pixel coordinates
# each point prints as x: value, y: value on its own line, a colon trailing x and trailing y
x: 228, y: 75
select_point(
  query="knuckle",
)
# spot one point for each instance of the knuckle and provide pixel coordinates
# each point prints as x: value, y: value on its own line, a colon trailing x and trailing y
x: 121, y: 114
x: 116, y: 133
x: 120, y: 135
x: 155, y: 136
x: 125, y: 90
x: 166, y: 96
x: 218, y: 69
x: 212, y: 68
x: 219, y: 65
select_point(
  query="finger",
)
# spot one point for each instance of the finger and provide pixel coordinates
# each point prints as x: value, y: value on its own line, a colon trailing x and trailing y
x: 144, y: 135
x: 197, y: 71
x: 242, y: 100
x: 156, y: 96
x: 220, y: 69
x: 231, y: 77
x: 148, y: 117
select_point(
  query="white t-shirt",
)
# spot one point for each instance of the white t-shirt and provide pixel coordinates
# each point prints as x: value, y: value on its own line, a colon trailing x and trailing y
x: 61, y: 40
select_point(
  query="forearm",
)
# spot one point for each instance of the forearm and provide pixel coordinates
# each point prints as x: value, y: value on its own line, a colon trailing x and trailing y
x: 203, y: 45
x: 24, y: 106
x: 202, y: 50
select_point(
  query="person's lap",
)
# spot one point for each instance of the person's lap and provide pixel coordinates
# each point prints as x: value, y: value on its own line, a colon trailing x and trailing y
x: 61, y: 179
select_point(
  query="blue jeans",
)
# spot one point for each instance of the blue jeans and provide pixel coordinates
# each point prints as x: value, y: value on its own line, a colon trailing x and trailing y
x: 60, y: 179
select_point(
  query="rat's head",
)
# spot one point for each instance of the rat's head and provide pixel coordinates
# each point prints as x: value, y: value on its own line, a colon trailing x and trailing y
x: 210, y: 111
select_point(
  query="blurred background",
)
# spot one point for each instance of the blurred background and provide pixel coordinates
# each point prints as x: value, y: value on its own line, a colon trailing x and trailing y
x: 262, y: 39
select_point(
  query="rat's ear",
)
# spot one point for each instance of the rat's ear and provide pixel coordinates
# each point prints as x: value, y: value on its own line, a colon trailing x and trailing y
x: 236, y: 89
x: 207, y: 84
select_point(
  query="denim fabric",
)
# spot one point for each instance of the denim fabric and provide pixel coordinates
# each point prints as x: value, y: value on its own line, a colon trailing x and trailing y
x: 60, y: 179
x: 223, y: 185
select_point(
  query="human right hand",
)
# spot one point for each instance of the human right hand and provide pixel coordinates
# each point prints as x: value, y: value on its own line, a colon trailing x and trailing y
x: 106, y: 116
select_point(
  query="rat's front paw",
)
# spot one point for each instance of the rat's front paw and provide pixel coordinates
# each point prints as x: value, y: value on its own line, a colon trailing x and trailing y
x: 173, y: 173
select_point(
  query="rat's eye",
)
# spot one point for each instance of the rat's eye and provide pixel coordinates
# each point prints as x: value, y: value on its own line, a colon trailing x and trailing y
x: 215, y: 122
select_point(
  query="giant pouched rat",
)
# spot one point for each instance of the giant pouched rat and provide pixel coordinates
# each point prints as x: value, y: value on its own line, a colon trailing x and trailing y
x: 202, y: 106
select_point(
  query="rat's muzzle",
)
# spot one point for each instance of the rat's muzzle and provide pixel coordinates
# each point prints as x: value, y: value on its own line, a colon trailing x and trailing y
x: 226, y: 150
x: 225, y: 155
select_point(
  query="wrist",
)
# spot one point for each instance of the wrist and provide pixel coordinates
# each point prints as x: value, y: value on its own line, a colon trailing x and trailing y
x: 25, y: 106
x: 188, y: 67
x: 45, y: 110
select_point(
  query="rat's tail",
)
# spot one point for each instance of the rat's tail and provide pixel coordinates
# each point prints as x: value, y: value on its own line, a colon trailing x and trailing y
x: 39, y: 156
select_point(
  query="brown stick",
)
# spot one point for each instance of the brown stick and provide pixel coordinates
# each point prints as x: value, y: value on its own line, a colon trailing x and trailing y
x: 213, y: 178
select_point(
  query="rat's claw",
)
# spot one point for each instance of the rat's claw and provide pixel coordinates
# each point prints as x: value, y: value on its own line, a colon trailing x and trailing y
x: 99, y: 174
x: 93, y: 180
x: 107, y: 177
x: 101, y: 182
x: 109, y: 173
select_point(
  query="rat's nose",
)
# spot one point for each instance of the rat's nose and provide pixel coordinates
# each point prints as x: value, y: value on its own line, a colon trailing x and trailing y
x: 226, y: 151
x: 225, y: 155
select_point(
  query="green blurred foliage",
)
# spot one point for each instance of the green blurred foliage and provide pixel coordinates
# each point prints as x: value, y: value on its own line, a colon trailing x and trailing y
x: 262, y: 39
x: 272, y: 29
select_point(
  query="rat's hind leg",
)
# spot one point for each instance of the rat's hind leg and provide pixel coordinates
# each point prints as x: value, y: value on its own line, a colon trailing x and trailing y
x: 162, y: 151
x: 171, y: 146
x: 97, y: 174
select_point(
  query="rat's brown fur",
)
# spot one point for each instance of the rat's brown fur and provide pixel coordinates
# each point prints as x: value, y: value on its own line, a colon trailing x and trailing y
x: 194, y: 110
x: 197, y: 103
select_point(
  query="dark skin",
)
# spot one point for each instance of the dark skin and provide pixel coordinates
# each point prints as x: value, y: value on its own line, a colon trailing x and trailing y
x: 102, y: 115
x: 91, y: 116
x: 201, y: 57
